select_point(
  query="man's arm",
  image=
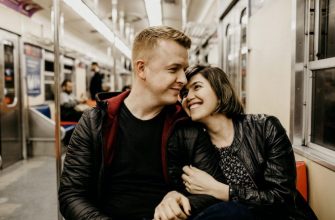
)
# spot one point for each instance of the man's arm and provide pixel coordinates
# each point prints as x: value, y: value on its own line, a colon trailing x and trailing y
x: 78, y: 182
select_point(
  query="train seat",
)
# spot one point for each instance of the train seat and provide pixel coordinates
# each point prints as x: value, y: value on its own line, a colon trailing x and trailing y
x: 301, y: 183
x: 45, y: 110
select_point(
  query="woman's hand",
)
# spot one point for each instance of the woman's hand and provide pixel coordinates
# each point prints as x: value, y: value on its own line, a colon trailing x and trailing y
x: 199, y: 182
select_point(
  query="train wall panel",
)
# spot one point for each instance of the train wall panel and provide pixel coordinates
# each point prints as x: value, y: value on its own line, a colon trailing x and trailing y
x: 321, y: 191
x: 269, y: 72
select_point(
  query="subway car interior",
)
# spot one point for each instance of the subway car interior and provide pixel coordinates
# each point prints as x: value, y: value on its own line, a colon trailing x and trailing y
x: 279, y: 55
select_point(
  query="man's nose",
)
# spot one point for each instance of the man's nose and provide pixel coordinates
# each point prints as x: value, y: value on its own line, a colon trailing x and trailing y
x: 182, y: 77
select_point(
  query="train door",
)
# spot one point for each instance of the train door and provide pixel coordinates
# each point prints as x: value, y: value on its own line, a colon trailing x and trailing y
x: 10, y: 111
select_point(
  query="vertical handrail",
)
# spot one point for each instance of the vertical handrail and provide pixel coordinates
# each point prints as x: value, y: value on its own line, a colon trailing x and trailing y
x: 56, y: 24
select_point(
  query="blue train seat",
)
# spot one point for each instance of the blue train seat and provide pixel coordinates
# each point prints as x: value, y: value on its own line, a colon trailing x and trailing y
x: 45, y: 110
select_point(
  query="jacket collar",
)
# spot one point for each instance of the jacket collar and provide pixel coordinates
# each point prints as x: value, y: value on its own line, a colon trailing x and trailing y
x: 238, y: 133
x: 112, y: 101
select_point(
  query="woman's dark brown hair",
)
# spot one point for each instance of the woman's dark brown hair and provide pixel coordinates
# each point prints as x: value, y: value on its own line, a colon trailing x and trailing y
x: 228, y: 102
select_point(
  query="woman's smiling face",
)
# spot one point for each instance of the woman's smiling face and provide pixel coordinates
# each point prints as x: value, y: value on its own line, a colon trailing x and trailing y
x: 199, y: 98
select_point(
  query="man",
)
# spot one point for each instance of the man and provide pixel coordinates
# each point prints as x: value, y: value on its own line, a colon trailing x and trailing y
x: 127, y: 154
x: 68, y: 103
x: 96, y: 81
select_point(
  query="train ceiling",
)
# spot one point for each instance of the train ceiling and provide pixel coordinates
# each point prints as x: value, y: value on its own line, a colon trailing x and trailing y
x: 200, y: 17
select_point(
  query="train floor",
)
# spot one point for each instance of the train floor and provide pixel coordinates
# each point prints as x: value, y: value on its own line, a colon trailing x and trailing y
x: 28, y: 190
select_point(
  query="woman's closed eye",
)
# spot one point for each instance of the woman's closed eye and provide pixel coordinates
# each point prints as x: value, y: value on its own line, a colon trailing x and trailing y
x: 197, y: 86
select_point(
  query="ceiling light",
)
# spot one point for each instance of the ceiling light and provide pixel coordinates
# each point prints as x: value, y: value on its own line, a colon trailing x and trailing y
x: 86, y: 13
x: 154, y: 12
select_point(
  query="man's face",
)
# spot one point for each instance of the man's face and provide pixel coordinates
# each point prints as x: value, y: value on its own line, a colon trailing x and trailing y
x: 68, y: 87
x: 165, y: 71
x: 94, y: 68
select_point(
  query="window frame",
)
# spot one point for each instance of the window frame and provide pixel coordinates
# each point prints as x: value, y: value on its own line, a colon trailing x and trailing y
x: 320, y: 154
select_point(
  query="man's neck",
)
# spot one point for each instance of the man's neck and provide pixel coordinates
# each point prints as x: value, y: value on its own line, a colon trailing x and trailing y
x: 141, y: 106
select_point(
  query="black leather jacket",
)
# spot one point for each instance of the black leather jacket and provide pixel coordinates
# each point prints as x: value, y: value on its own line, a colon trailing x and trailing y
x: 82, y: 177
x: 266, y: 152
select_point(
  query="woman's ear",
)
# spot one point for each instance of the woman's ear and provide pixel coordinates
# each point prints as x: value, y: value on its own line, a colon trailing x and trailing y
x: 139, y: 68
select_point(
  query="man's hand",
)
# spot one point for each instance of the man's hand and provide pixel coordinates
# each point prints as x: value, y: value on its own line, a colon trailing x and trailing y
x: 174, y: 206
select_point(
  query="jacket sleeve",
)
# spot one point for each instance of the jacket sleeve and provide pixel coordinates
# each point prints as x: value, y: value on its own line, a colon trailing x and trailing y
x: 202, y: 155
x: 279, y: 170
x: 78, y: 180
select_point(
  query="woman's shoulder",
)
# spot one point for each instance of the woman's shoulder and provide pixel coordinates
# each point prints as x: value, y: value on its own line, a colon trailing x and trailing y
x: 264, y: 123
x: 258, y: 118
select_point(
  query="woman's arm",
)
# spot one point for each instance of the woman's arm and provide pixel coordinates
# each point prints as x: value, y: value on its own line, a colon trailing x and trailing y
x: 197, y: 181
x: 279, y: 174
x: 279, y: 170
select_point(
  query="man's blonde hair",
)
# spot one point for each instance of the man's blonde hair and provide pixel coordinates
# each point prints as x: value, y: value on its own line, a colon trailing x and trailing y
x: 149, y: 37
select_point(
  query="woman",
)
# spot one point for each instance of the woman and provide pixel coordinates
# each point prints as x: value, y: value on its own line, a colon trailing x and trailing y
x: 256, y: 156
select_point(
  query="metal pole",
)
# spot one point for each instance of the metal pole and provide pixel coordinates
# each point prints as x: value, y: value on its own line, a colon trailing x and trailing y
x: 116, y: 82
x: 56, y: 23
x: 184, y: 13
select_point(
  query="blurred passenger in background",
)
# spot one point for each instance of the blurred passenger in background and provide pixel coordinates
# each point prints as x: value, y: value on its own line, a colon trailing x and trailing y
x: 96, y: 81
x: 71, y: 108
x: 256, y: 156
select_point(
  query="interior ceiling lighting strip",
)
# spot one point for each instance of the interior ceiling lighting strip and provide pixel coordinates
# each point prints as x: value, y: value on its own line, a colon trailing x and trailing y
x: 87, y: 14
x: 154, y: 12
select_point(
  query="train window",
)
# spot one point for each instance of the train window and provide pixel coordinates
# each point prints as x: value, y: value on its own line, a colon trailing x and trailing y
x: 68, y: 70
x: 314, y: 79
x: 9, y: 72
x: 326, y: 29
x: 49, y: 92
x: 230, y: 58
x: 49, y: 66
x: 49, y: 80
x: 243, y: 54
x: 323, y: 108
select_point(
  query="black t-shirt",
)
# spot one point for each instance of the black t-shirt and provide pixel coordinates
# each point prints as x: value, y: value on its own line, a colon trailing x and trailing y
x: 134, y: 183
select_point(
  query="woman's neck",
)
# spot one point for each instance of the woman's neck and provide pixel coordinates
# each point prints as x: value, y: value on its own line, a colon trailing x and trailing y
x: 220, y: 129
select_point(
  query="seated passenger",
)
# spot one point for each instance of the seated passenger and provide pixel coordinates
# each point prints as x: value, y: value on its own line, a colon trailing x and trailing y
x: 71, y: 108
x: 256, y: 156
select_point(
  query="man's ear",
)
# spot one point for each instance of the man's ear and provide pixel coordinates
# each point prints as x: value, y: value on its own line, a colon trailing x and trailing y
x: 139, y: 68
